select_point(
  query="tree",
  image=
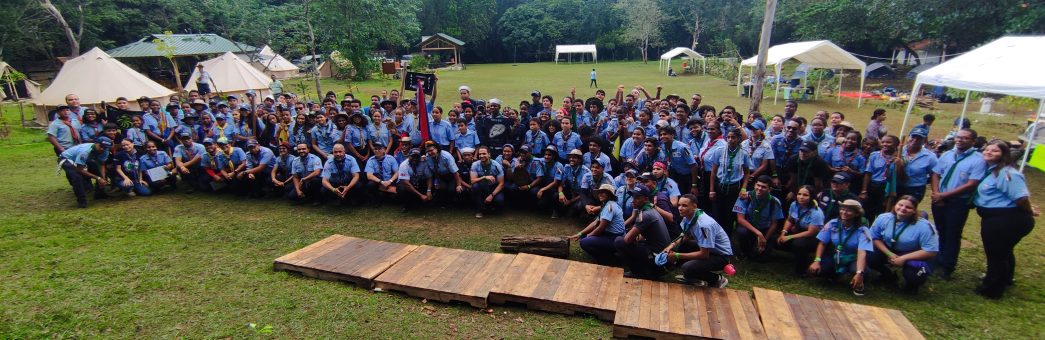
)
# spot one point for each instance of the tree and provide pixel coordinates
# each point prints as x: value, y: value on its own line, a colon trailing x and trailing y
x: 357, y: 28
x: 72, y: 38
x: 168, y: 52
x: 528, y: 29
x: 643, y: 24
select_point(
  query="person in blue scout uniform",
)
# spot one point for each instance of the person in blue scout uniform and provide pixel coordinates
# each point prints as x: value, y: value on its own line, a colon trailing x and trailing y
x: 663, y: 184
x: 543, y: 178
x: 216, y: 166
x: 848, y: 158
x: 728, y: 178
x: 223, y: 128
x: 650, y: 154
x: 843, y: 248
x: 444, y: 171
x: 187, y: 156
x: 574, y: 181
x: 954, y: 180
x: 918, y: 164
x: 255, y: 175
x: 382, y: 171
x: 129, y: 174
x: 566, y: 140
x: 595, y: 181
x: 136, y: 135
x: 156, y: 158
x: 535, y: 138
x: 323, y: 134
x: 1006, y: 216
x: 758, y: 219
x: 92, y: 126
x: 623, y: 192
x: 441, y: 130
x: 415, y: 183
x: 306, y: 169
x: 637, y: 253
x: 464, y: 138
x: 76, y: 162
x: 903, y: 240
x: 680, y: 161
x: 159, y: 125
x: 785, y: 147
x: 759, y: 152
x: 818, y: 136
x: 632, y: 147
x: 704, y: 248
x: 804, y: 221
x: 597, y: 237
x: 595, y: 154
x: 883, y: 172
x: 487, y: 180
x: 337, y: 178
x: 281, y: 173
x: 63, y: 132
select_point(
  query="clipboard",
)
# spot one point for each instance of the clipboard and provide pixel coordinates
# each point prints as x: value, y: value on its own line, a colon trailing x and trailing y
x: 157, y: 174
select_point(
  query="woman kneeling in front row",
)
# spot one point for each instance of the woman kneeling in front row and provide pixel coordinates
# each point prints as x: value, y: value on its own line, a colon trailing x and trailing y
x: 905, y: 241
x: 843, y: 248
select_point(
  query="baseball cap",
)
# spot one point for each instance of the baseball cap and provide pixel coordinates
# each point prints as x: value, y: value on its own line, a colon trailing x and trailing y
x: 647, y: 177
x: 631, y: 173
x: 379, y: 144
x: 808, y: 146
x: 467, y: 150
x: 223, y: 141
x: 920, y: 132
x: 524, y: 148
x: 104, y: 141
x: 184, y: 134
x: 840, y: 177
x: 219, y: 116
x: 641, y: 190
x: 415, y: 152
x: 758, y: 124
x: 252, y: 142
x: 208, y: 141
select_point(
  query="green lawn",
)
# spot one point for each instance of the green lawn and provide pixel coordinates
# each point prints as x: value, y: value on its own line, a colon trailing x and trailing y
x: 198, y: 265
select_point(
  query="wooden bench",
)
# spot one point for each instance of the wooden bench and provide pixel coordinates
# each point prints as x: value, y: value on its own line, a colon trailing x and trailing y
x: 790, y: 316
x: 560, y: 286
x: 343, y: 258
x: 446, y: 275
x: 664, y: 310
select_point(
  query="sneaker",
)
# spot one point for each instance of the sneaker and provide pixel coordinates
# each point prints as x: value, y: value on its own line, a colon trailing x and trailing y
x: 478, y: 215
x: 697, y: 283
x: 858, y: 292
x: 722, y: 282
x: 131, y: 194
x: 630, y: 275
x: 555, y: 214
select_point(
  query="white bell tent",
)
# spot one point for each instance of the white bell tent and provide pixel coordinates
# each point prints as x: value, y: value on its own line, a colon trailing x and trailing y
x: 231, y: 75
x: 1004, y: 66
x: 582, y: 49
x: 816, y: 54
x: 665, y: 59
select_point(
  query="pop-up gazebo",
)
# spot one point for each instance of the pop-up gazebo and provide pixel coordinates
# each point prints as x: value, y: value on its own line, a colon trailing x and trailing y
x: 816, y: 54
x: 583, y: 49
x: 665, y: 59
x: 1008, y: 66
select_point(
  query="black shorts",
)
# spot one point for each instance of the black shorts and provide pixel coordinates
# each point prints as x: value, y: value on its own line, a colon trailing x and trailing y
x: 203, y: 88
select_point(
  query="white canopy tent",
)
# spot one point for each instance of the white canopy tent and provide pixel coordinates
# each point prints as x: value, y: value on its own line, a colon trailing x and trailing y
x: 665, y: 59
x: 1005, y: 66
x: 231, y: 75
x: 271, y: 63
x: 816, y: 54
x: 584, y: 49
x: 96, y: 77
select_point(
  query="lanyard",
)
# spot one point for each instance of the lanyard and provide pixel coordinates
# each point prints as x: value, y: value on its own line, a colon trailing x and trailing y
x: 731, y: 154
x: 950, y: 171
x: 842, y: 238
x: 802, y: 215
x: 897, y: 233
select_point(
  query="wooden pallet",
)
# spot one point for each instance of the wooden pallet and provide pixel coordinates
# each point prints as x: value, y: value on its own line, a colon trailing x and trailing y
x: 343, y: 258
x: 445, y: 275
x: 663, y: 310
x: 790, y: 316
x: 560, y: 286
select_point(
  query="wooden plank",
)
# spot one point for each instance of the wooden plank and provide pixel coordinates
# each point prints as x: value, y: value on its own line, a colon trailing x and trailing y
x: 446, y: 275
x: 668, y: 310
x: 559, y: 286
x: 808, y: 309
x: 342, y: 258
x: 906, y: 327
x: 776, y: 315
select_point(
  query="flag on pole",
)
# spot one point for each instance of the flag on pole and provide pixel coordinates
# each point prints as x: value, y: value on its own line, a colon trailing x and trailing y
x: 422, y: 113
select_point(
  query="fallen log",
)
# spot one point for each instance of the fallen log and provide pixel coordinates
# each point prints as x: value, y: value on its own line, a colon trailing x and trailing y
x: 552, y: 246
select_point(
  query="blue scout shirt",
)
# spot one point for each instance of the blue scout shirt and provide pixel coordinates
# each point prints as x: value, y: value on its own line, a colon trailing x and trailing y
x: 756, y: 153
x: 566, y: 143
x: 784, y: 149
x: 667, y: 186
x: 902, y: 237
x: 602, y: 158
x: 957, y: 169
x: 614, y: 215
x: 441, y: 132
x: 216, y: 162
x: 709, y: 150
x: 919, y: 167
x: 625, y: 198
x: 228, y: 131
x: 149, y: 161
x: 357, y: 136
x: 80, y: 154
x: 332, y: 170
x: 708, y: 233
x: 443, y: 164
x: 823, y: 142
x: 730, y: 165
x: 575, y: 178
x: 379, y: 132
x: 536, y: 140
x: 383, y: 169
x: 236, y: 156
x: 466, y: 140
x: 90, y: 131
x: 680, y: 159
x: 188, y: 154
x: 802, y: 218
x: 152, y: 121
x: 645, y: 161
x: 264, y: 156
x: 851, y: 240
x: 491, y: 168
x: 324, y: 136
x: 63, y: 133
x: 302, y: 166
x: 760, y: 212
x: 630, y: 149
x: 535, y: 168
x: 1001, y: 190
x: 136, y: 136
x: 880, y: 167
x: 837, y: 157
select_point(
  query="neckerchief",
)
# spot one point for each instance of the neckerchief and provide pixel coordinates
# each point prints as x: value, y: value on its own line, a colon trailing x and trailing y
x: 958, y: 160
x: 758, y: 205
x: 72, y: 131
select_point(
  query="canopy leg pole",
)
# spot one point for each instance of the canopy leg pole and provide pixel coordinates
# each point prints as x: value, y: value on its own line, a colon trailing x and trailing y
x: 965, y: 106
x: 1033, y: 134
x: 910, y: 106
x: 705, y: 63
x: 776, y: 80
x: 841, y: 76
x: 816, y: 91
x: 740, y: 71
x: 860, y: 99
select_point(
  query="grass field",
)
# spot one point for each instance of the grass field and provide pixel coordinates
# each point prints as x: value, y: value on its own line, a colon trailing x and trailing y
x: 200, y: 265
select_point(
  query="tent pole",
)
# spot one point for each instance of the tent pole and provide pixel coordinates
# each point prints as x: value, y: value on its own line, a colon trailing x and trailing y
x: 776, y: 79
x: 1033, y: 134
x: 910, y: 105
x: 816, y: 93
x: 740, y: 70
x: 965, y: 106
x: 841, y: 76
x: 863, y: 76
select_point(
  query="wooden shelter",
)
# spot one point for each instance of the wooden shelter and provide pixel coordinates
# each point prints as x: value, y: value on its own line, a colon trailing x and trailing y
x: 442, y: 42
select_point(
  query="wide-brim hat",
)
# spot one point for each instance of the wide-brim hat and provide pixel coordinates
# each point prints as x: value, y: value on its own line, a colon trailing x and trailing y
x: 852, y: 204
x: 608, y: 188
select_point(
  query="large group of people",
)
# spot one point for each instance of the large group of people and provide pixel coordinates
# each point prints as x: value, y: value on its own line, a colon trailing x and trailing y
x: 654, y: 182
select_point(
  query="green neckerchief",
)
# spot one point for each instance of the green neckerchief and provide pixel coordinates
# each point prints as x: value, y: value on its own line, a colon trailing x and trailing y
x: 759, y: 206
x: 958, y: 160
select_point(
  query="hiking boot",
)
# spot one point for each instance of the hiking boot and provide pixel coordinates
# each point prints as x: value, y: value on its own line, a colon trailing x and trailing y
x: 722, y: 282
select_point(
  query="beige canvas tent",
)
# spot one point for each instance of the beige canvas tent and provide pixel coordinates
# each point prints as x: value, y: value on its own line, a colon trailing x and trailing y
x: 16, y: 90
x: 231, y: 75
x: 272, y: 64
x: 96, y: 77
